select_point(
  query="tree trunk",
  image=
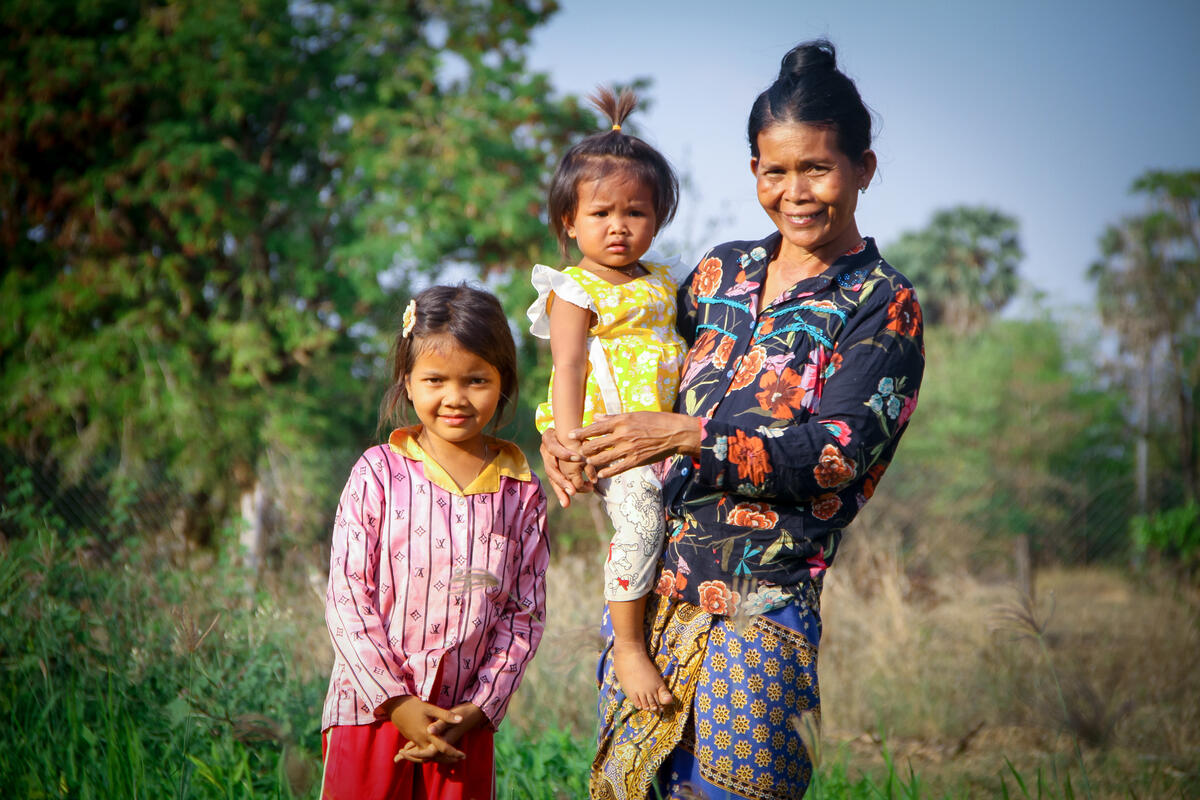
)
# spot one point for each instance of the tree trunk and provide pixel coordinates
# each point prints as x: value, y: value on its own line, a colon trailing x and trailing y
x: 1024, y: 567
x: 253, y: 534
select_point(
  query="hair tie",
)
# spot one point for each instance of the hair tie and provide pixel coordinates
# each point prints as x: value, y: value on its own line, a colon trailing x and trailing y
x: 409, y: 319
x: 616, y: 126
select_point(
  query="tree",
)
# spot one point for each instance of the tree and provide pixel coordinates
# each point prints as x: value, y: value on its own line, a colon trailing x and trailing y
x: 1148, y: 292
x: 964, y: 265
x: 208, y: 209
x: 1016, y: 434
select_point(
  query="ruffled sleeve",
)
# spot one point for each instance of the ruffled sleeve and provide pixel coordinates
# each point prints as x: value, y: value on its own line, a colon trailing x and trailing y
x: 546, y: 281
x: 677, y: 268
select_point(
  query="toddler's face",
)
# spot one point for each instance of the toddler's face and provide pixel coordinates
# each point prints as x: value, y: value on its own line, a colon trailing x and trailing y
x: 614, y: 222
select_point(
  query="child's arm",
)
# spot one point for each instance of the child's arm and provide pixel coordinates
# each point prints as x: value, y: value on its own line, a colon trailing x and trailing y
x: 569, y: 326
x: 518, y: 630
x: 352, y: 596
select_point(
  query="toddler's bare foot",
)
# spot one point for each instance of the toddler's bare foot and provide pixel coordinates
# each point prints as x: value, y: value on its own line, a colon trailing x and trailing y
x: 638, y: 678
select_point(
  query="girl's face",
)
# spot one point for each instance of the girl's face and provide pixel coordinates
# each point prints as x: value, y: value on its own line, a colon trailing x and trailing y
x: 454, y: 392
x: 809, y: 188
x: 614, y: 221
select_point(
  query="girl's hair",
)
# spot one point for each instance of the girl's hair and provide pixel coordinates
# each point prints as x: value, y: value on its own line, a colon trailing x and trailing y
x: 811, y: 89
x: 476, y: 321
x: 603, y: 154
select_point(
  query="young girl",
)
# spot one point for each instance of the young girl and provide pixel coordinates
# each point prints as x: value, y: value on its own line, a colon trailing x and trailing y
x: 611, y: 325
x: 437, y: 574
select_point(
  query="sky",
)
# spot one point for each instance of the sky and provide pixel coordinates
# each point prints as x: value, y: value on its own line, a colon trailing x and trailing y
x: 1044, y: 110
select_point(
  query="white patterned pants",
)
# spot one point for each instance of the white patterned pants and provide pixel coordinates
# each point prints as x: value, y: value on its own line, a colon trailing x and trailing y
x: 633, y: 501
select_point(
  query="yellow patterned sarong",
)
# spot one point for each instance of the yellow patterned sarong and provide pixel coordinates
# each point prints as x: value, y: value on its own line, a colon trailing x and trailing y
x: 740, y: 689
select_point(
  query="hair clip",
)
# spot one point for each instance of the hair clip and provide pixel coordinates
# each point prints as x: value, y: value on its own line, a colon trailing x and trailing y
x: 616, y: 126
x: 409, y: 319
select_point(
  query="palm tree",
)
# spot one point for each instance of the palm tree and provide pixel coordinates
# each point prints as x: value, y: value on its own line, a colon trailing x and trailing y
x: 1148, y: 292
x: 964, y: 264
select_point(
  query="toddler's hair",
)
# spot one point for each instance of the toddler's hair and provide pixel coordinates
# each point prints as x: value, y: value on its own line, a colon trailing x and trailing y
x: 603, y: 154
x: 475, y: 320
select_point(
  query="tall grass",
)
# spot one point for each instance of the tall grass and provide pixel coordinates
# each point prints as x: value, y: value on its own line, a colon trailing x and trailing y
x: 146, y: 674
x: 121, y: 679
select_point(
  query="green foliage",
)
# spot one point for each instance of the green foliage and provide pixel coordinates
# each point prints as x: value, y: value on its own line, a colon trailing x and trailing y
x: 551, y: 765
x: 1174, y: 532
x: 131, y: 678
x: 208, y: 211
x: 1009, y: 439
x: 144, y: 681
x: 1148, y: 291
x: 964, y: 265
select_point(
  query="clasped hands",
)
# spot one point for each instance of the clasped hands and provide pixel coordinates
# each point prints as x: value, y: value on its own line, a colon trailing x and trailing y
x: 613, y: 444
x: 432, y: 731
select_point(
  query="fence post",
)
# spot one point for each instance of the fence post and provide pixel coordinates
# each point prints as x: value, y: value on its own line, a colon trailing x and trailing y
x: 1024, y: 565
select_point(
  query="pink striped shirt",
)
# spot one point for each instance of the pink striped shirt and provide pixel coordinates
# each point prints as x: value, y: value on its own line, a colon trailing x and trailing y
x: 427, y: 580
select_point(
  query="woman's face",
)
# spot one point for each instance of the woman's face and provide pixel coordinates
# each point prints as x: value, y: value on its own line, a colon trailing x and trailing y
x: 809, y: 189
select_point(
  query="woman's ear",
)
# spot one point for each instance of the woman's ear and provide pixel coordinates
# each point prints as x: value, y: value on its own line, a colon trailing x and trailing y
x: 866, y: 168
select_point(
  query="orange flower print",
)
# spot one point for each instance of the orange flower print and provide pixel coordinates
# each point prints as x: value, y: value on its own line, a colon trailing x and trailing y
x: 873, y: 476
x: 833, y: 468
x: 698, y: 357
x: 781, y: 393
x: 835, y: 363
x: 749, y: 368
x: 904, y: 313
x: 708, y: 277
x: 715, y: 597
x: 724, y: 350
x: 750, y: 456
x: 753, y: 515
x: 670, y: 584
x: 765, y: 327
x: 704, y: 345
x: 826, y: 506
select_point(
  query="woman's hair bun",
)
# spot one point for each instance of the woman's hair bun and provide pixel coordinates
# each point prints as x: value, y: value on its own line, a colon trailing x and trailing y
x: 811, y: 89
x: 817, y: 55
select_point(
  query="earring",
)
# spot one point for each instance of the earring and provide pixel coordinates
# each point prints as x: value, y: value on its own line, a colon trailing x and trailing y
x: 863, y: 190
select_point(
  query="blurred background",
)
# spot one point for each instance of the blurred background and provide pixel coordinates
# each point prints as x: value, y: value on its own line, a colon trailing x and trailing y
x: 212, y: 213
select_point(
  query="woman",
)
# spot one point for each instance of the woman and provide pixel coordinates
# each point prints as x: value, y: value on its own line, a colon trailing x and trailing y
x: 804, y: 364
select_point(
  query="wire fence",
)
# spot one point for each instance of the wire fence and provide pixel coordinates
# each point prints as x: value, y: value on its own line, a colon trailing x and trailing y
x: 1096, y: 528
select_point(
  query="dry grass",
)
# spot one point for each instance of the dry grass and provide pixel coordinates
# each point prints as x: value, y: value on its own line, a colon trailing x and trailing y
x: 1095, y: 679
x: 953, y: 674
x: 559, y: 690
x: 948, y: 671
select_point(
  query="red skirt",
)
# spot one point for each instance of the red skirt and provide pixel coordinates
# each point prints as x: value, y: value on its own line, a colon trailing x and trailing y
x: 359, y: 766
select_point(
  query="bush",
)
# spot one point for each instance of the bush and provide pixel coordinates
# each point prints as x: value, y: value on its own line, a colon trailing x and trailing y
x: 1175, y: 533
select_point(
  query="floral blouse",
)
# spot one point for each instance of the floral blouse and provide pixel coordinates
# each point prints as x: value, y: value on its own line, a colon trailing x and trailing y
x: 803, y: 404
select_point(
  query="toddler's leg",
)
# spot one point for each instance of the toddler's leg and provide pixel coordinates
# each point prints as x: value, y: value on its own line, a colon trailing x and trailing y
x: 639, y: 678
x: 634, y: 503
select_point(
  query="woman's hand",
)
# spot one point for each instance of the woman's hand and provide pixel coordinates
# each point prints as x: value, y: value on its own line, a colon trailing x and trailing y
x: 617, y: 442
x: 566, y: 470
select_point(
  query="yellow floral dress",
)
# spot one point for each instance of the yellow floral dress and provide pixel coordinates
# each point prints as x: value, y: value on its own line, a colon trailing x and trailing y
x: 634, y: 351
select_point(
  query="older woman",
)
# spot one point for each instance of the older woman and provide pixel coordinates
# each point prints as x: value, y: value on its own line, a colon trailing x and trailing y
x: 804, y: 364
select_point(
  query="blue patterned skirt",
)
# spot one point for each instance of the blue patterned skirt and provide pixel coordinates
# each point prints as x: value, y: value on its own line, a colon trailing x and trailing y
x: 744, y: 689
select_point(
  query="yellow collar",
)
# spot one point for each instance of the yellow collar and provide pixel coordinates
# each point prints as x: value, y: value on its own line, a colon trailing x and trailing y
x: 509, y: 461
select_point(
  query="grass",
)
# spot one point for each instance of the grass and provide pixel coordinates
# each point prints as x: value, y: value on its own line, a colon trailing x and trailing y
x: 148, y: 674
